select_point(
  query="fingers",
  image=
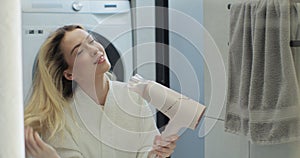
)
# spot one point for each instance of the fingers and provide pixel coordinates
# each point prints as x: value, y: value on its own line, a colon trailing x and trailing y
x: 164, y: 147
x: 31, y: 146
x: 36, y: 147
x: 172, y: 138
x: 169, y: 142
x: 39, y: 141
x: 32, y: 141
x: 28, y: 149
x: 157, y: 139
x: 162, y: 152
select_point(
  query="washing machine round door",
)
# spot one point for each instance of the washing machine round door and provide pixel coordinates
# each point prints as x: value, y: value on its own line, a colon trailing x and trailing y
x: 117, y: 67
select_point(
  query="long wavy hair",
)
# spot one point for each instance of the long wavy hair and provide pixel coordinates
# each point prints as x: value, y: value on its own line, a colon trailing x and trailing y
x: 51, y: 91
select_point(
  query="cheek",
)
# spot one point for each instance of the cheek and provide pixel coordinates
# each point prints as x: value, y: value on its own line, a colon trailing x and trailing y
x: 82, y: 66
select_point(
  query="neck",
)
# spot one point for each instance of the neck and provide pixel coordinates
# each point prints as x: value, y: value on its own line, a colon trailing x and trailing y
x: 97, y: 89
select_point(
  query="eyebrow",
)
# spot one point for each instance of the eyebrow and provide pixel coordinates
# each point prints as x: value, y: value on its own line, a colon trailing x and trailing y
x: 77, y: 45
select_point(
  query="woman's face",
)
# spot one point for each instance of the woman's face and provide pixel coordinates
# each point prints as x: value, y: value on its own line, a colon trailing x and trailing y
x: 86, y: 57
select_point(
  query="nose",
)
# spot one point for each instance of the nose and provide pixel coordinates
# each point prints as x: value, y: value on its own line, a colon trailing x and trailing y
x: 96, y: 53
x: 95, y: 50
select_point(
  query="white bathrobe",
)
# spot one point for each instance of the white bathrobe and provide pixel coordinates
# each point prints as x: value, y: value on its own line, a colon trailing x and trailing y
x: 124, y: 128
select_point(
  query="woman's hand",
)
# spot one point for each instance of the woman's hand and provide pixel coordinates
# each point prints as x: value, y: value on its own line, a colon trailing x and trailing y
x: 163, y: 147
x: 36, y: 147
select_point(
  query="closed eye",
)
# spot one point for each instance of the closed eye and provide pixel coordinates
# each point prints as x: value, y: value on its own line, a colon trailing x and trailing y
x: 92, y: 41
x: 79, y: 52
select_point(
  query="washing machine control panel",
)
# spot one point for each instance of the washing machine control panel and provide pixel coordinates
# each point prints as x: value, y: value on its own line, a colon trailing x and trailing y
x: 74, y: 6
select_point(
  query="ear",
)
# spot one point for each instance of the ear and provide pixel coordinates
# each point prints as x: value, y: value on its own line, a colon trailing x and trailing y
x: 68, y: 75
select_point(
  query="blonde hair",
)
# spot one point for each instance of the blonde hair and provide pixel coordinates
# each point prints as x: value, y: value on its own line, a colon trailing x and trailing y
x: 44, y: 111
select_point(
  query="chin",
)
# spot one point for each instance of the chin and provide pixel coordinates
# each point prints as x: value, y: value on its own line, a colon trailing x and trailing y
x: 108, y: 66
x: 105, y: 67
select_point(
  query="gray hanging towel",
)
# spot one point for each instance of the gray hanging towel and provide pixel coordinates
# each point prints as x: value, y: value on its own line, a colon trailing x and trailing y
x: 263, y: 99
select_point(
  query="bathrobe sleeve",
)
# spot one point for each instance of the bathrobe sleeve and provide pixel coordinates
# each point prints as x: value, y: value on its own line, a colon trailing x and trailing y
x: 148, y: 129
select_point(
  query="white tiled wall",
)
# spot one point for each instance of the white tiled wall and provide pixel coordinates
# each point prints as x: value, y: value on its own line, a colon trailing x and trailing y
x: 186, y: 66
x: 220, y: 144
x: 145, y: 37
x: 216, y: 22
x: 288, y: 150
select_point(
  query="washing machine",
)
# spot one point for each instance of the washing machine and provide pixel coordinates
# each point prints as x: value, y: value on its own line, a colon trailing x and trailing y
x: 108, y: 21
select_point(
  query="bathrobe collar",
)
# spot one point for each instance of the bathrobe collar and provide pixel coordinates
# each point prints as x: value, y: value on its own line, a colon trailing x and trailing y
x: 89, y: 111
x: 101, y: 123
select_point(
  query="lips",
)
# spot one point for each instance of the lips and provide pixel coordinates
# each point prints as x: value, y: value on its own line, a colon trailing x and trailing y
x: 100, y: 59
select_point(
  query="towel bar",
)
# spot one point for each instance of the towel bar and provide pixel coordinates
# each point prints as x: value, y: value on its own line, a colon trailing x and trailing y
x: 295, y: 1
x: 295, y: 43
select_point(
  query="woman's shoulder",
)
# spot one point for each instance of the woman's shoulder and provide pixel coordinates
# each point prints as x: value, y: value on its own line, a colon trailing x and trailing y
x: 121, y: 92
x: 118, y: 86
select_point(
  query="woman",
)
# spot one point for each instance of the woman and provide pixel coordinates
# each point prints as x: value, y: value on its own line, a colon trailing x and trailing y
x: 79, y: 112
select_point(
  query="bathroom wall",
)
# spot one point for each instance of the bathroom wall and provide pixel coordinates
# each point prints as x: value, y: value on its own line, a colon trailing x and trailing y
x: 144, y: 36
x: 186, y: 68
x: 218, y: 143
x: 214, y: 16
